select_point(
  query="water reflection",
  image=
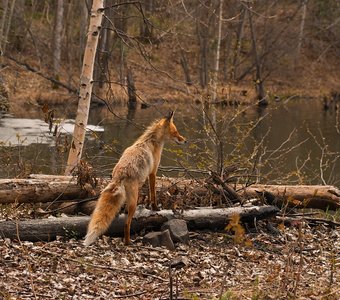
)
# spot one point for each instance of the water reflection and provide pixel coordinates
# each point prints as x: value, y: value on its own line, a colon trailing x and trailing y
x: 293, y: 141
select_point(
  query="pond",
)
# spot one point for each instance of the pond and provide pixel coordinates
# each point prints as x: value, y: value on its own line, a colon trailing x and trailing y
x: 290, y: 142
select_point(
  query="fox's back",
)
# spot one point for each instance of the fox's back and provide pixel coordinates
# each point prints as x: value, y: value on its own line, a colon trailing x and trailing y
x: 135, y: 163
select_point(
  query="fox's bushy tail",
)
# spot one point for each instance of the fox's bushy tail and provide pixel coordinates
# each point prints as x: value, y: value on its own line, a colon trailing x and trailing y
x: 109, y: 203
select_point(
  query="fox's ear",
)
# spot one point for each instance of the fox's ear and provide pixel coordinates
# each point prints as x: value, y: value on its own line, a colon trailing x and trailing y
x: 170, y: 115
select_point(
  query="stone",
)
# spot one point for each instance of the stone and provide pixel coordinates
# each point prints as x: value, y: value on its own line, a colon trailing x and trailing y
x: 178, y: 230
x: 158, y: 239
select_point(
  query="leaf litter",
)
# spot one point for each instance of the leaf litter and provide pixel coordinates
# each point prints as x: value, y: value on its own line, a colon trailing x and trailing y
x: 290, y: 263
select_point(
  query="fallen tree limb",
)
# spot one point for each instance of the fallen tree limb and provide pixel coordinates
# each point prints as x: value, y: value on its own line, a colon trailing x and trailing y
x: 45, y: 189
x: 48, y: 188
x: 316, y: 221
x: 302, y: 196
x: 144, y: 219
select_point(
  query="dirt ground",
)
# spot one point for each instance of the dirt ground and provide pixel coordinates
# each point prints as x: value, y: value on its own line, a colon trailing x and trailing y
x: 272, y: 262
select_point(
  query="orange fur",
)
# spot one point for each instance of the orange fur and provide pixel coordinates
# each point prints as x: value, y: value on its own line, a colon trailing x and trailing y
x: 138, y: 162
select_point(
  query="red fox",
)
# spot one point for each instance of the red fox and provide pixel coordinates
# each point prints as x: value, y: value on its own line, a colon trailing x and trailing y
x: 139, y: 161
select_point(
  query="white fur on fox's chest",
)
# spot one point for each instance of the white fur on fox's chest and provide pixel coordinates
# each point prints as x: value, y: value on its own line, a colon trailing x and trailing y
x: 136, y: 163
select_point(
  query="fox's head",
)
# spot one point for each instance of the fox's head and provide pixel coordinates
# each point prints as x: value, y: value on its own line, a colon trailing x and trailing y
x: 171, y: 130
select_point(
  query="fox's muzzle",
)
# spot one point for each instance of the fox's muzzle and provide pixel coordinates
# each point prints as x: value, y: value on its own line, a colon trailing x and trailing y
x: 180, y: 140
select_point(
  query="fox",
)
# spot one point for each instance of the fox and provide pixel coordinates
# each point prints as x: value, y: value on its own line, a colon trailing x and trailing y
x: 138, y: 162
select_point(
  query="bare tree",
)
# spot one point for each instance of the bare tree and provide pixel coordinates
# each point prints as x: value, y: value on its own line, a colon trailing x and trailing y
x: 86, y: 84
x: 202, y: 29
x: 261, y: 94
x: 301, y: 32
x: 217, y: 61
x: 238, y: 42
x: 6, y: 23
x: 58, y: 29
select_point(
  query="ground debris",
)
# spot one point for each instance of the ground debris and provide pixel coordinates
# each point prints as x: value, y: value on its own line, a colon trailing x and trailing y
x: 298, y: 262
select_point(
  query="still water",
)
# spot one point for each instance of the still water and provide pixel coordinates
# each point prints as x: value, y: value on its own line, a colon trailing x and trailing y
x: 289, y: 142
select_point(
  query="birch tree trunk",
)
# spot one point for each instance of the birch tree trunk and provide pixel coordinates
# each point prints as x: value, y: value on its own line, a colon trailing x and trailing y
x: 86, y: 84
x: 58, y: 28
x: 217, y: 62
x: 84, y: 15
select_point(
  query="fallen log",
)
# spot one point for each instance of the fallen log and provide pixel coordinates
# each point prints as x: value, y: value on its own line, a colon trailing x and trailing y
x: 144, y: 219
x: 43, y: 189
x: 48, y: 188
x: 302, y: 196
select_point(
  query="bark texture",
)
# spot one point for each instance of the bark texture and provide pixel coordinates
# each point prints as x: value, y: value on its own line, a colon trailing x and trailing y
x: 144, y: 219
x: 86, y: 84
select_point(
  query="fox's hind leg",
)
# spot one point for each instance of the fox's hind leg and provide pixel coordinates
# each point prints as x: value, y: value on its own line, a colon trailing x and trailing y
x: 152, y: 191
x: 131, y: 202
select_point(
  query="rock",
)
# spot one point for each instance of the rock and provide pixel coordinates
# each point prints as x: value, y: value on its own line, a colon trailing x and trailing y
x: 158, y: 239
x: 178, y: 230
x: 179, y: 262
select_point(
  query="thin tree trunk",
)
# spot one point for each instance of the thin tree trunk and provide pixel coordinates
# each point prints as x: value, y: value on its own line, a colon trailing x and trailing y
x: 104, y: 47
x: 58, y: 29
x: 185, y: 67
x: 86, y: 84
x: 19, y: 25
x: 2, y: 26
x: 9, y: 23
x: 8, y: 27
x: 122, y: 63
x: 203, y: 37
x: 217, y: 61
x: 301, y: 32
x: 226, y: 53
x: 132, y: 103
x: 238, y: 44
x: 261, y: 95
x: 82, y: 32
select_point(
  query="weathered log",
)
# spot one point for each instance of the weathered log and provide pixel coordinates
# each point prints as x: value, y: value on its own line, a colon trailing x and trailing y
x: 301, y: 196
x: 144, y: 219
x: 47, y: 188
x: 44, y: 189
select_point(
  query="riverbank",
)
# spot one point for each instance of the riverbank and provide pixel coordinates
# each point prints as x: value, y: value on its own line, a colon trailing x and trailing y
x: 27, y: 89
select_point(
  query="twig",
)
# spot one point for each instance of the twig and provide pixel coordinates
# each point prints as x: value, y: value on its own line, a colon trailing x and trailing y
x: 133, y: 295
x: 170, y: 282
x: 315, y: 220
x: 298, y: 275
x: 222, y: 286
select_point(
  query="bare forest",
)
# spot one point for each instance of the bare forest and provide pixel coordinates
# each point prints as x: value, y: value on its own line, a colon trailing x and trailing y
x: 182, y: 50
x: 244, y: 203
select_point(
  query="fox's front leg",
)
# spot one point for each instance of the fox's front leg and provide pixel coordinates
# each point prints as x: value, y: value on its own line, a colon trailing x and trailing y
x: 152, y: 191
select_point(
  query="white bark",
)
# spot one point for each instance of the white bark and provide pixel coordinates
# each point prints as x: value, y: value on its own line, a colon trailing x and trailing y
x: 86, y: 84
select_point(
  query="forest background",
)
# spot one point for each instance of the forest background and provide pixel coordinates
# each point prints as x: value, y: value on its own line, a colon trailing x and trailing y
x: 174, y: 50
